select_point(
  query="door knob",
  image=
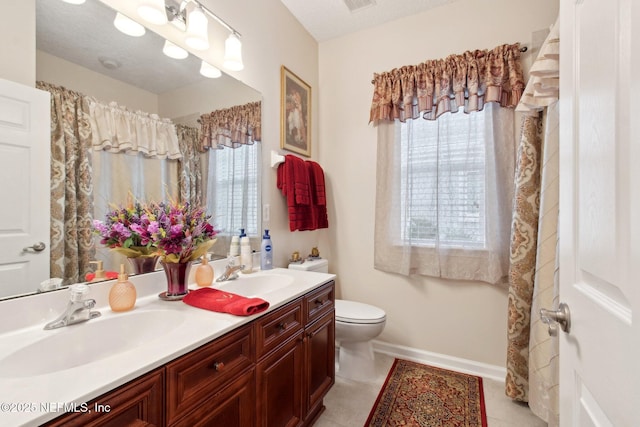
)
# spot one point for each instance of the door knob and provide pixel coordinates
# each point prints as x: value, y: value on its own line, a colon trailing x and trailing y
x: 37, y: 247
x: 553, y: 318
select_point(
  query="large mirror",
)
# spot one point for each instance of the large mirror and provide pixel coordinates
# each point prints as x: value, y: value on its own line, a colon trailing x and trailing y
x: 79, y: 48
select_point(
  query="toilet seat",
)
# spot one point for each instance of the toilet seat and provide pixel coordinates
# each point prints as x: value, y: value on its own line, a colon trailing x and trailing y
x: 358, y: 313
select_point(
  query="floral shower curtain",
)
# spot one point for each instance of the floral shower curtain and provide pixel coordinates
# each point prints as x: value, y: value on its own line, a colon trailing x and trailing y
x: 71, y: 184
x: 190, y: 179
x: 532, y: 359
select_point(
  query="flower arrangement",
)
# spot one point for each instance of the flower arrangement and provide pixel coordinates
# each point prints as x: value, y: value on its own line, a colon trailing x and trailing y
x: 178, y: 233
x: 127, y: 230
x: 183, y: 232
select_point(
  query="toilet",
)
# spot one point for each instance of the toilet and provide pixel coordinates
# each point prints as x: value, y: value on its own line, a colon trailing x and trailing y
x: 356, y: 325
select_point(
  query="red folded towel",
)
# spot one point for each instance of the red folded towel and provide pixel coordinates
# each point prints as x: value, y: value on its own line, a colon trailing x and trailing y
x: 108, y: 275
x: 225, y: 302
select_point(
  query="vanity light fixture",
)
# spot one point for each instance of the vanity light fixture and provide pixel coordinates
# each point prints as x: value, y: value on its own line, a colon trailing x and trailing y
x: 233, y: 53
x: 153, y: 11
x: 174, y: 51
x: 197, y: 29
x: 209, y: 70
x: 128, y: 26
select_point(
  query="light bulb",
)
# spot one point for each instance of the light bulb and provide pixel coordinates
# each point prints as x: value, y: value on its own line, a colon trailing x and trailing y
x: 174, y: 51
x: 197, y: 30
x: 233, y: 53
x: 209, y: 71
x: 128, y: 26
x: 153, y: 11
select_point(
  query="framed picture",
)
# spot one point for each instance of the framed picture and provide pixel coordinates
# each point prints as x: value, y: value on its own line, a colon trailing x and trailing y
x: 295, y: 126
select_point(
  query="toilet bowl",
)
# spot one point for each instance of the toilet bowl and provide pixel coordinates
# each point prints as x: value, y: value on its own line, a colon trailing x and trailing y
x: 356, y: 325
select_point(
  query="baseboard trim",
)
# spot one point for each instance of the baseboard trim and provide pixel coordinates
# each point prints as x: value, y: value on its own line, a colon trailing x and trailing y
x: 444, y: 361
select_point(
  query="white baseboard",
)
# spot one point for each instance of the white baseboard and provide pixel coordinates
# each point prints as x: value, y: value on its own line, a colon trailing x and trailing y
x: 444, y: 361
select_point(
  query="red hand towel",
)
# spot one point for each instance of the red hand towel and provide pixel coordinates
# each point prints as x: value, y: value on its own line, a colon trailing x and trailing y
x: 109, y: 275
x: 225, y: 302
x: 293, y: 181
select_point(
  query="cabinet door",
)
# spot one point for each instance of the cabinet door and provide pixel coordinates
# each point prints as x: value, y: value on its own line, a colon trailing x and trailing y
x: 138, y: 403
x: 279, y: 380
x: 232, y: 407
x: 319, y: 364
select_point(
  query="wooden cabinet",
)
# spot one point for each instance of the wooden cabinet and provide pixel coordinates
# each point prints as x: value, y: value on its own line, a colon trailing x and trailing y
x: 272, y: 372
x: 297, y: 366
x: 138, y: 403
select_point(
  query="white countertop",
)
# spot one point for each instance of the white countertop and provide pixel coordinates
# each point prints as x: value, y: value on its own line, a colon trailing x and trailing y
x: 34, y: 398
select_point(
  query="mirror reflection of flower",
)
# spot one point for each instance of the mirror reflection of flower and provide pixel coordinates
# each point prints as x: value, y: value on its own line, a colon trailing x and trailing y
x: 176, y: 232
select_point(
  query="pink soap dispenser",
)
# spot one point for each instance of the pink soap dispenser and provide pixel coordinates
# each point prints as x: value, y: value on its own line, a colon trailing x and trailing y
x: 122, y: 296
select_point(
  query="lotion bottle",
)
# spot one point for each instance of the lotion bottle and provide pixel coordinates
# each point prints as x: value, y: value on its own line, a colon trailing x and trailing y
x: 246, y: 256
x: 204, y: 273
x: 266, y: 252
x: 122, y: 296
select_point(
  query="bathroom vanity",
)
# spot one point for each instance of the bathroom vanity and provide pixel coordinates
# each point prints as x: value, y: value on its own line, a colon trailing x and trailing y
x: 270, y: 369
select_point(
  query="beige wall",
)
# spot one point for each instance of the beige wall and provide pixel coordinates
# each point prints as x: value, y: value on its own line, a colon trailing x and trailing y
x: 465, y: 320
x: 461, y: 319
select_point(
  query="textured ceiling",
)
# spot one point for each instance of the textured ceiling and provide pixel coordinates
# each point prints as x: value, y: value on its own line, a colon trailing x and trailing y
x: 327, y: 19
x: 83, y: 34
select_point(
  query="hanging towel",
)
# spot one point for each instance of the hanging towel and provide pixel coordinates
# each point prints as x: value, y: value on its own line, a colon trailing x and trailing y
x: 225, y: 302
x: 318, y: 195
x: 293, y: 181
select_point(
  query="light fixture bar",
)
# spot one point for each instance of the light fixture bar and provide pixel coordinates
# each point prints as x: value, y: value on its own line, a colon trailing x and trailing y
x: 216, y: 17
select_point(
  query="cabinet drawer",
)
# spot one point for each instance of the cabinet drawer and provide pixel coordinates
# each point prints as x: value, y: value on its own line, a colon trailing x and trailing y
x: 319, y: 302
x: 275, y: 328
x: 203, y: 372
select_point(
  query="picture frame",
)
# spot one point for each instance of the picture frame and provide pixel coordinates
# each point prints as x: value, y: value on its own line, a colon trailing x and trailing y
x: 295, y: 113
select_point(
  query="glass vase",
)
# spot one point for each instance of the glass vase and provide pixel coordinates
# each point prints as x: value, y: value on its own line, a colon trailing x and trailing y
x: 143, y: 264
x: 177, y: 279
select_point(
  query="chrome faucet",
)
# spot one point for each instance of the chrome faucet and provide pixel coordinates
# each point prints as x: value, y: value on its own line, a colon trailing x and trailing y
x: 230, y: 272
x: 78, y: 309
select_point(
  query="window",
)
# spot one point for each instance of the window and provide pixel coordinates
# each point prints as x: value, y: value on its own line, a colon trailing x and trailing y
x: 443, y: 180
x: 444, y: 191
x: 234, y: 195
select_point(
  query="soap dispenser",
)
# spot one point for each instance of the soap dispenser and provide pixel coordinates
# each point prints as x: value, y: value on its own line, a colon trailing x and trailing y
x: 204, y: 273
x: 122, y: 296
x: 99, y: 274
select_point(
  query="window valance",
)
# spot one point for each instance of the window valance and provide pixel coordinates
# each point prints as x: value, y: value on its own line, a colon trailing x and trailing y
x: 118, y: 129
x: 435, y: 87
x: 232, y: 127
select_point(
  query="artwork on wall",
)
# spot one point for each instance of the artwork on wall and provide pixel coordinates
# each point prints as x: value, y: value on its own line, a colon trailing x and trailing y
x: 295, y: 127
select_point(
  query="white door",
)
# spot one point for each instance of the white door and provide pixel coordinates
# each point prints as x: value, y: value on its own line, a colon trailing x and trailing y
x: 600, y: 212
x: 24, y: 188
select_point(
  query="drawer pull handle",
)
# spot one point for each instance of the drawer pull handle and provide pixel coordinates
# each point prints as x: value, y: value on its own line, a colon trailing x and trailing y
x: 281, y: 326
x: 319, y: 302
x: 218, y: 366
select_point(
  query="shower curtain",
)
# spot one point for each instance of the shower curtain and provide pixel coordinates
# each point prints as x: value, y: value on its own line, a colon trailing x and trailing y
x: 532, y: 358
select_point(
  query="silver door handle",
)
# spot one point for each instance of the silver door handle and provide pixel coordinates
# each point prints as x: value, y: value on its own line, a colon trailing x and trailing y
x: 36, y: 247
x: 553, y: 318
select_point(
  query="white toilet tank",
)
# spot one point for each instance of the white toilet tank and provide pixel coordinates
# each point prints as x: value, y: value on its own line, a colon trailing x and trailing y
x: 320, y: 265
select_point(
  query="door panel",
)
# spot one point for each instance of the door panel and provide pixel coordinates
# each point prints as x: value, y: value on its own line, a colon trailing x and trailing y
x: 25, y: 177
x: 598, y: 180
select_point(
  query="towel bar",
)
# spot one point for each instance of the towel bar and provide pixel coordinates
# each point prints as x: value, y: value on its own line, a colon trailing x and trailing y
x: 276, y: 159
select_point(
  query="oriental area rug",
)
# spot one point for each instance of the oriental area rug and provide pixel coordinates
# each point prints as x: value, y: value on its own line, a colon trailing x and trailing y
x: 417, y: 395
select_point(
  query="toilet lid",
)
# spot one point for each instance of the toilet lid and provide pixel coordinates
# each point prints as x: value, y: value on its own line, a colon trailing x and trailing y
x: 357, y: 312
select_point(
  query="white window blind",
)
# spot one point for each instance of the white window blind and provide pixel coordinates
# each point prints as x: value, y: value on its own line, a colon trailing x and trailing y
x: 443, y: 180
x: 234, y: 180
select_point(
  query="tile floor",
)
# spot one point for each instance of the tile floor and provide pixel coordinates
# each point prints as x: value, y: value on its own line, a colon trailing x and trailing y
x: 348, y: 403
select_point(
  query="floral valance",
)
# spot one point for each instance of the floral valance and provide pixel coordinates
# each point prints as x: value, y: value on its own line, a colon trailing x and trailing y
x: 232, y: 127
x: 435, y: 87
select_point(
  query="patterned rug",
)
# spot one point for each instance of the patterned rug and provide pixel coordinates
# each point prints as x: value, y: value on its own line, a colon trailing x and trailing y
x: 416, y: 395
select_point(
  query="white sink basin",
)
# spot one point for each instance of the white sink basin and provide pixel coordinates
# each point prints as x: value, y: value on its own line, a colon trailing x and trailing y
x: 255, y: 286
x: 87, y: 342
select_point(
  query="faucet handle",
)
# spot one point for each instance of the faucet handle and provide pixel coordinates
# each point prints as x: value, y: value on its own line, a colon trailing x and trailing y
x: 78, y: 292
